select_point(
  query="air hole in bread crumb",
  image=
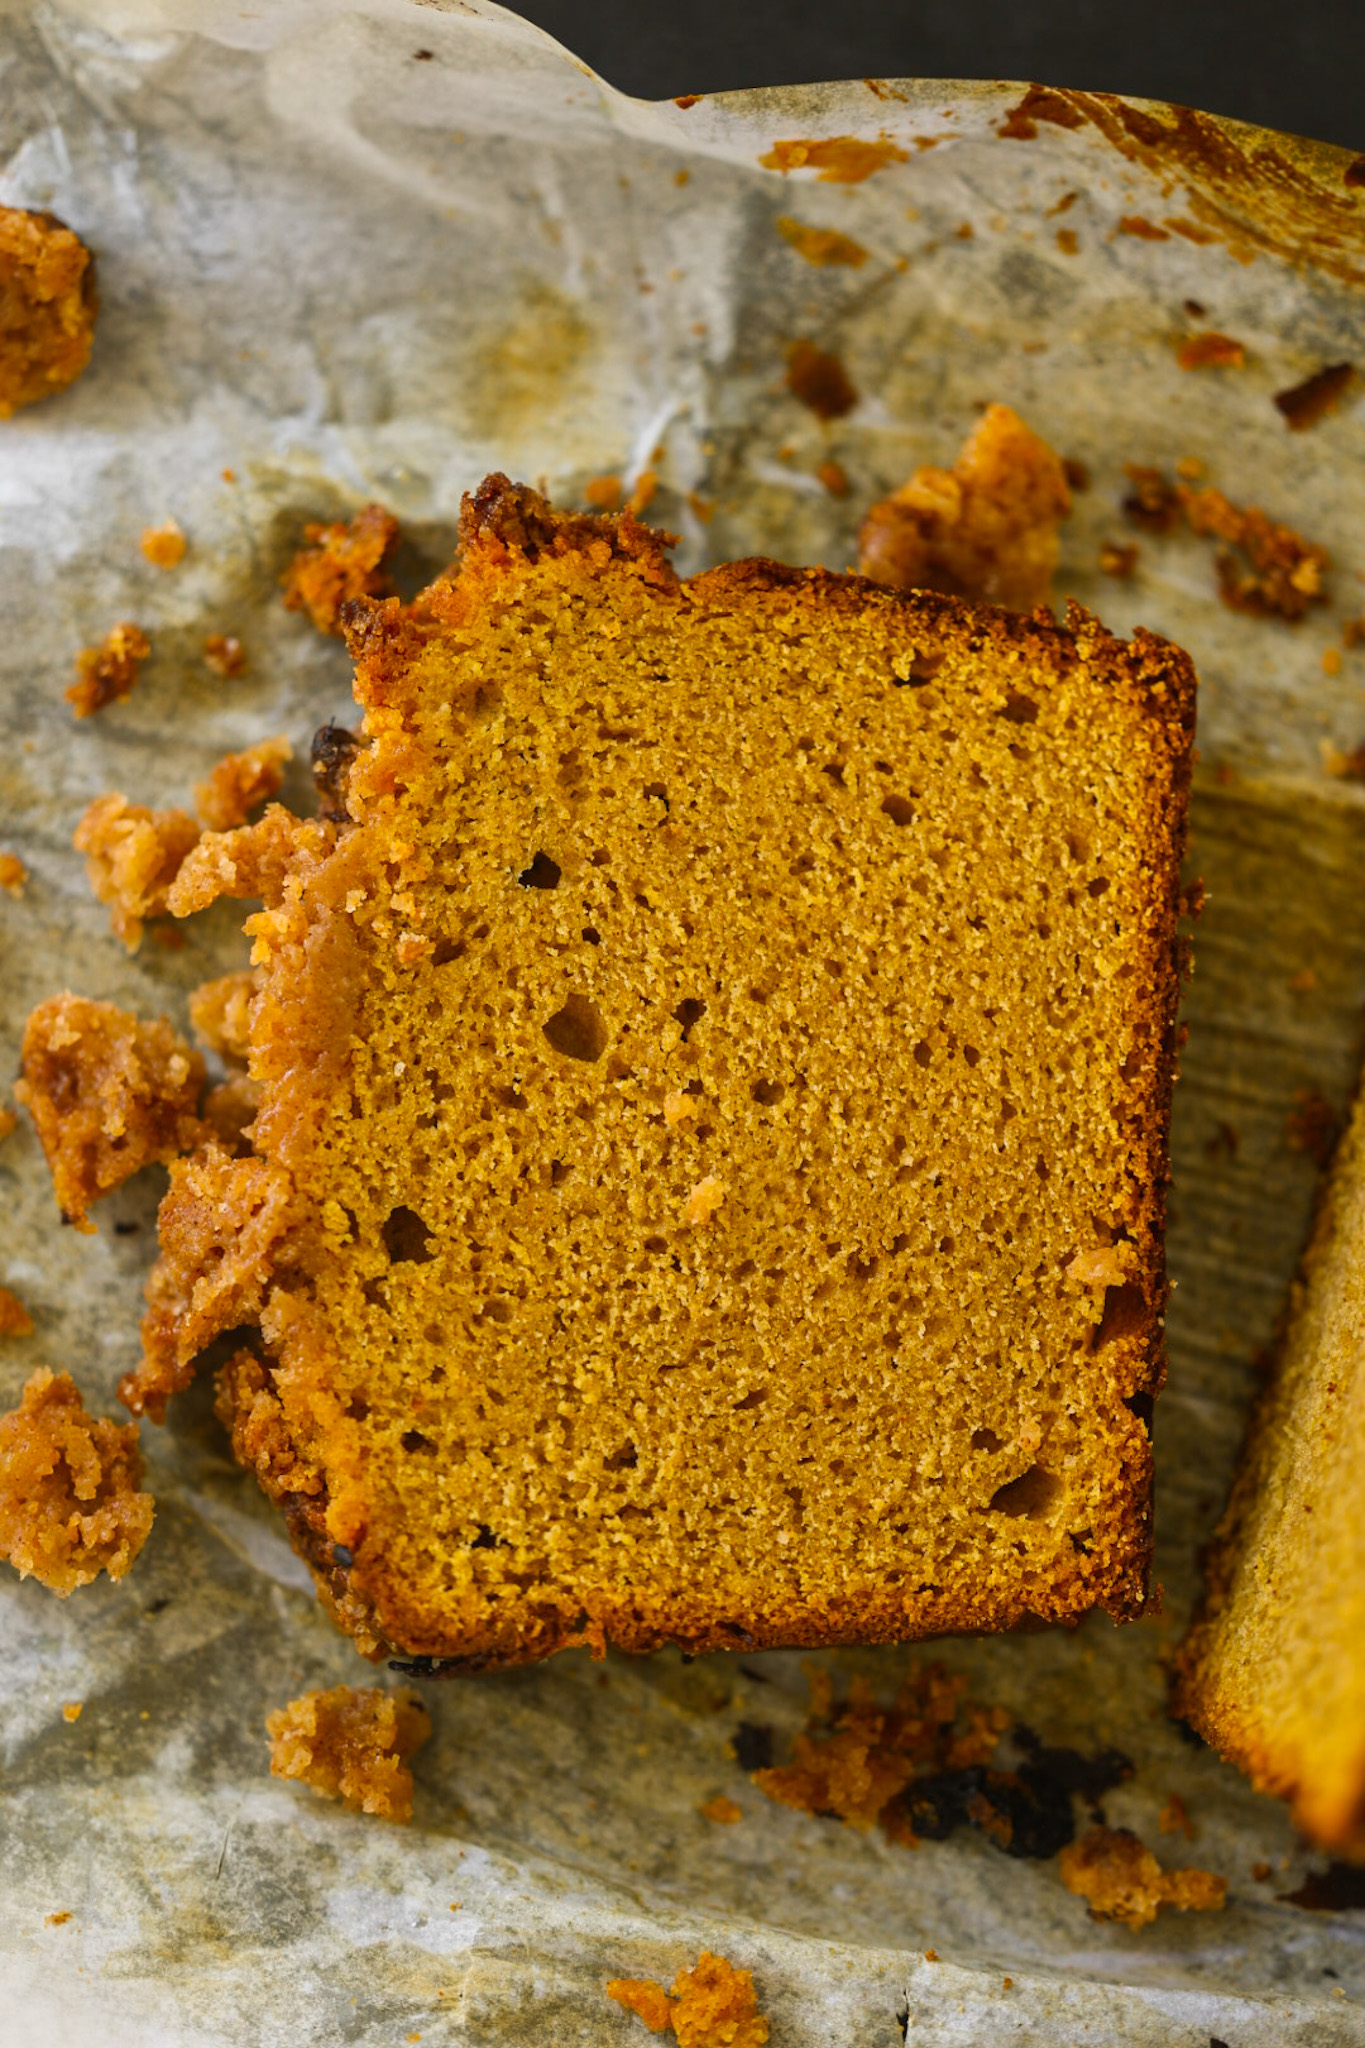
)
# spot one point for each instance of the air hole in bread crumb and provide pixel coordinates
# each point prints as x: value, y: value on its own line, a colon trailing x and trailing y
x: 754, y: 1399
x: 592, y: 935
x: 578, y: 1031
x: 899, y: 809
x: 690, y: 1011
x: 1125, y: 1314
x: 1030, y: 1495
x: 1098, y: 887
x: 656, y: 1244
x: 413, y: 1440
x: 922, y: 1054
x: 985, y: 1440
x: 543, y: 873
x: 406, y: 1238
x: 1019, y: 709
x: 445, y: 951
x: 768, y: 1093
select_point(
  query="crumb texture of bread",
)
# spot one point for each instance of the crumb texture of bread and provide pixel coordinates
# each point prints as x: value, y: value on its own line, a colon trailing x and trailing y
x: 70, y: 1504
x: 986, y: 528
x: 248, y: 861
x: 1272, y: 1672
x: 241, y: 783
x: 342, y: 561
x: 220, y: 1013
x: 712, y: 2005
x: 1120, y: 1879
x: 132, y: 855
x: 351, y: 1743
x: 106, y: 673
x: 709, y: 1169
x: 108, y: 1094
x: 47, y: 307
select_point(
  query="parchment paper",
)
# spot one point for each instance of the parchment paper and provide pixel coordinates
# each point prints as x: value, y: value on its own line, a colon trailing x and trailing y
x: 378, y: 252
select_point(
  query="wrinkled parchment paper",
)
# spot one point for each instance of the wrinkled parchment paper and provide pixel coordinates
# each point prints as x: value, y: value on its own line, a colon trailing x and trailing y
x: 378, y: 252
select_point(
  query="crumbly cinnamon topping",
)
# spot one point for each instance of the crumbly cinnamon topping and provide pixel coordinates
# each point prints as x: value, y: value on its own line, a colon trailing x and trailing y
x: 351, y: 1743
x: 70, y: 1505
x: 342, y: 561
x: 1122, y: 1880
x: 108, y: 672
x: 108, y: 1094
x: 47, y: 307
x: 132, y: 857
x: 985, y: 528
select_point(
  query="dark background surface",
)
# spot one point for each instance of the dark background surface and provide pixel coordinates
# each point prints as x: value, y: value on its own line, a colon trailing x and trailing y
x: 1298, y: 65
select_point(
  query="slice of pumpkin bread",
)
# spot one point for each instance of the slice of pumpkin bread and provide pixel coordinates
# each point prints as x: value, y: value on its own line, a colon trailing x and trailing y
x: 714, y: 1085
x: 1273, y: 1671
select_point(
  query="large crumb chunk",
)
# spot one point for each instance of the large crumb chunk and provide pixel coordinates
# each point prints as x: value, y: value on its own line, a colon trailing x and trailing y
x: 70, y: 1507
x: 47, y: 307
x: 240, y: 783
x: 351, y: 1743
x: 342, y: 561
x: 164, y: 545
x: 132, y: 855
x: 985, y: 528
x: 250, y: 861
x: 15, y: 1320
x: 711, y: 2006
x: 108, y: 1094
x: 1122, y: 1880
x: 108, y: 672
x: 1263, y: 568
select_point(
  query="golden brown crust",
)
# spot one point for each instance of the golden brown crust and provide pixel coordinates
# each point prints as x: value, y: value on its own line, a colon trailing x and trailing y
x: 108, y: 1094
x: 351, y: 1743
x: 47, y: 307
x: 70, y: 1507
x: 362, y: 920
x: 132, y: 857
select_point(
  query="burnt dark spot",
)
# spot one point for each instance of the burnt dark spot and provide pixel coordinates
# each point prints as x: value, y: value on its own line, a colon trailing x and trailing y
x: 1338, y: 1889
x: 543, y: 873
x: 752, y: 1743
x: 1026, y: 1811
x: 343, y: 1556
x: 333, y: 749
x: 406, y: 1238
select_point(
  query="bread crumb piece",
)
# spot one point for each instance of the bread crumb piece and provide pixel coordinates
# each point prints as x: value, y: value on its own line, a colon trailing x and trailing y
x: 72, y: 1710
x: 1174, y: 1818
x: 1099, y: 1267
x: 704, y: 1200
x: 1303, y: 405
x: 834, y: 478
x: 13, y: 873
x: 1202, y: 351
x: 250, y: 861
x: 241, y: 782
x: 821, y: 246
x: 47, y: 307
x: 220, y: 1014
x: 1122, y: 1880
x: 837, y: 159
x: 341, y: 561
x: 1353, y: 632
x: 1153, y: 503
x: 677, y: 1107
x: 56, y: 1919
x: 1331, y: 661
x: 721, y: 1810
x: 1119, y: 559
x: 8, y: 1120
x: 69, y: 1501
x: 108, y: 1094
x: 15, y: 1320
x: 1261, y: 1873
x: 164, y: 545
x: 106, y: 673
x: 931, y: 1955
x: 711, y: 2006
x: 351, y: 1743
x: 1283, y: 573
x: 820, y: 381
x: 603, y: 493
x: 985, y: 528
x: 132, y: 857
x: 224, y: 654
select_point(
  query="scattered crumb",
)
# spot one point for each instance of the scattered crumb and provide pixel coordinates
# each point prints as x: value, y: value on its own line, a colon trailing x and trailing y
x: 1311, y: 1127
x: 56, y: 1919
x: 132, y: 857
x: 69, y: 1501
x: 603, y: 493
x: 1331, y: 661
x: 721, y: 1810
x: 1068, y: 241
x: 13, y: 873
x: 241, y: 782
x: 220, y: 1014
x: 107, y: 1093
x: 106, y: 673
x: 712, y: 2005
x: 1076, y: 473
x: 1152, y: 503
x: 642, y: 492
x: 351, y: 1743
x: 341, y: 561
x: 1353, y: 632
x: 839, y: 159
x: 1174, y: 1818
x: 8, y: 1120
x: 820, y: 381
x: 72, y: 1710
x: 987, y: 528
x: 834, y: 479
x: 1006, y: 1983
x: 704, y: 1200
x: 1280, y: 573
x: 931, y: 1955
x: 15, y: 1320
x: 821, y: 246
x: 1303, y: 405
x: 1144, y: 229
x: 1122, y: 1880
x: 225, y: 655
x: 1261, y: 1873
x: 702, y: 508
x: 1210, y: 350
x: 1350, y: 766
x: 164, y: 545
x: 1119, y: 558
x: 47, y: 307
x: 250, y: 861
